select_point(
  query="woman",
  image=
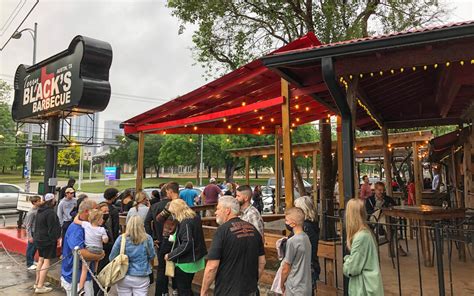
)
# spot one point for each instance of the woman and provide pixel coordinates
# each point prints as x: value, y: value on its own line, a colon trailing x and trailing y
x: 127, y: 201
x: 311, y: 228
x: 189, y: 247
x: 46, y: 234
x: 141, y: 206
x: 362, y: 265
x: 140, y: 251
x: 231, y: 189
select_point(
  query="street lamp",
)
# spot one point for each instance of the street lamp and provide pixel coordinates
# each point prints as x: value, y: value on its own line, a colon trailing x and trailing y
x: 28, y: 151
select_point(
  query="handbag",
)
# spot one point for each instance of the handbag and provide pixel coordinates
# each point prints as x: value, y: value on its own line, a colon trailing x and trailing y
x: 169, y: 268
x: 116, y: 269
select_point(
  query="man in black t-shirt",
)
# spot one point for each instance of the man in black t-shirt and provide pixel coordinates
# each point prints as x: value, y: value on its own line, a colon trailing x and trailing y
x: 236, y: 258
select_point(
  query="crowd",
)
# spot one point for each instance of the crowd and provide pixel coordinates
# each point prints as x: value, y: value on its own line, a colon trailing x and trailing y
x: 164, y: 228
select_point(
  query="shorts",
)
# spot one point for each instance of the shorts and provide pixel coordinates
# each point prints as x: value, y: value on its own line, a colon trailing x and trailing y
x: 94, y: 250
x: 47, y: 252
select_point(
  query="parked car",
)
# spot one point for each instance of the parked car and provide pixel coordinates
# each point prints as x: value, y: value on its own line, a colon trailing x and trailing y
x: 9, y: 195
x: 307, y: 186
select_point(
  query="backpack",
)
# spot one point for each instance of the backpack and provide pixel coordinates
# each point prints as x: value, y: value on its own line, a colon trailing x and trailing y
x: 116, y: 269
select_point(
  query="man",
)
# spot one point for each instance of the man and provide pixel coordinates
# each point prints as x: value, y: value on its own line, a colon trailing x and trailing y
x: 210, y: 195
x: 155, y: 222
x: 46, y: 234
x: 365, y: 190
x: 374, y: 206
x: 75, y: 236
x: 248, y: 212
x: 70, y: 184
x: 189, y: 195
x: 30, y: 222
x: 296, y: 266
x: 65, y: 207
x: 236, y: 258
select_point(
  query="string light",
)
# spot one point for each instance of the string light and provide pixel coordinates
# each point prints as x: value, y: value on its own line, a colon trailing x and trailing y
x: 306, y: 156
x: 297, y: 106
x: 229, y: 126
x: 392, y: 71
x: 195, y: 128
x: 462, y: 63
x: 293, y: 124
x: 447, y: 64
x: 307, y: 109
x: 425, y: 67
x: 350, y: 77
x: 264, y: 156
x: 369, y: 113
x: 261, y: 118
x: 435, y: 66
x: 225, y: 119
x: 297, y: 119
x: 381, y: 73
x: 297, y: 97
x: 238, y: 129
x: 262, y: 127
x: 243, y: 104
x: 190, y: 139
x: 472, y: 62
x: 164, y: 133
x: 401, y: 70
x: 361, y: 75
x: 293, y: 154
x: 272, y: 119
x: 228, y: 140
x: 259, y: 132
x: 414, y: 69
x: 255, y: 110
x: 371, y: 74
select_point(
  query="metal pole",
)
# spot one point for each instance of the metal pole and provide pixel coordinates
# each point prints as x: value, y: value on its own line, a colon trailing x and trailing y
x: 75, y: 271
x: 439, y: 260
x: 51, y: 154
x: 201, y: 164
x: 81, y: 168
x: 92, y: 163
x: 29, y: 151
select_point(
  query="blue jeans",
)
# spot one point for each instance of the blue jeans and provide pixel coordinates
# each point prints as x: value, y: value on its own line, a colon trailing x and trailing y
x: 30, y: 254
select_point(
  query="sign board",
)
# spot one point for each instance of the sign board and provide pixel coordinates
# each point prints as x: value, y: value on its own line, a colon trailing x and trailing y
x: 110, y: 173
x: 75, y: 80
x: 24, y: 203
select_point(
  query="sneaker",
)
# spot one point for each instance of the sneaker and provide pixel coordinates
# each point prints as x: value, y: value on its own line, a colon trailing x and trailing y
x: 46, y: 284
x: 43, y: 290
x: 32, y: 267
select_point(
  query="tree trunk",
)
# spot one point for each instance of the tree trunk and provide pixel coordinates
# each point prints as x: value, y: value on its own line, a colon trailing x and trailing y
x: 3, y: 169
x: 299, y: 178
x: 256, y: 173
x: 217, y: 173
x: 209, y: 171
x: 144, y: 172
x: 326, y: 180
x: 229, y: 171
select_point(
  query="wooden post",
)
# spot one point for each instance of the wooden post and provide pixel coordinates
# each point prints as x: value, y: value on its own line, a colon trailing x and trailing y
x: 277, y: 170
x: 454, y: 178
x: 417, y: 174
x: 387, y: 163
x: 352, y: 102
x: 468, y: 170
x: 247, y: 170
x: 286, y: 139
x: 340, y: 175
x: 315, y: 178
x: 141, y: 154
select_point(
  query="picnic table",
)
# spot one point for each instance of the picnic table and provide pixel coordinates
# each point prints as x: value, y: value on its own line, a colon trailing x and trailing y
x: 423, y: 215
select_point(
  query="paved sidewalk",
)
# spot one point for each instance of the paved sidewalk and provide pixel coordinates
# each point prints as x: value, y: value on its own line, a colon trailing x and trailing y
x: 17, y: 280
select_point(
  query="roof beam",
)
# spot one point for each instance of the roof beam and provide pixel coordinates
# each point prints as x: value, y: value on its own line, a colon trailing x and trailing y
x: 211, y: 116
x: 362, y: 96
x: 423, y: 122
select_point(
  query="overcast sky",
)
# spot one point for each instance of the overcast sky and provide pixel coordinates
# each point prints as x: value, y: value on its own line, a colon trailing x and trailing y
x: 150, y: 59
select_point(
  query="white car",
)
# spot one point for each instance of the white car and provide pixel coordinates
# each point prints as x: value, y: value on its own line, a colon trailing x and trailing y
x: 9, y: 195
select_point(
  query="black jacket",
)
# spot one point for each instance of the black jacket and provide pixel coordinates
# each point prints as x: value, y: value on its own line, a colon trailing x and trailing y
x: 113, y: 224
x: 370, y: 203
x: 47, y: 229
x: 152, y: 226
x: 190, y: 245
x: 312, y: 230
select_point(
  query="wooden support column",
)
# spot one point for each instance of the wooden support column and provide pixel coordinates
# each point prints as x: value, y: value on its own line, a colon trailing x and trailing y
x: 468, y: 170
x: 417, y: 174
x: 340, y: 175
x: 453, y: 169
x: 277, y: 170
x: 315, y: 178
x: 247, y: 170
x: 141, y: 154
x: 352, y: 102
x: 286, y: 139
x: 387, y: 163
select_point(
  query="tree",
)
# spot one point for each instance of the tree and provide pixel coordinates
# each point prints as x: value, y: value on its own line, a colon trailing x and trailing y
x: 7, y: 129
x: 68, y: 158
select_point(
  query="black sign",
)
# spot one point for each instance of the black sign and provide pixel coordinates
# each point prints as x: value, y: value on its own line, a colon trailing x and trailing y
x: 71, y: 82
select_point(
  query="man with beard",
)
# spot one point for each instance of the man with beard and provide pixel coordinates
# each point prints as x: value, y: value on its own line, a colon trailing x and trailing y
x: 236, y: 258
x: 249, y: 213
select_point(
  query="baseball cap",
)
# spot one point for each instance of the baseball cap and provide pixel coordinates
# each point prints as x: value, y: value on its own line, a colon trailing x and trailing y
x: 212, y: 180
x: 48, y: 196
x: 69, y: 190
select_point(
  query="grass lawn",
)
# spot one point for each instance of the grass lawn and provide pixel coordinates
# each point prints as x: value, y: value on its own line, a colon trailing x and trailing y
x: 99, y: 187
x: 15, y: 177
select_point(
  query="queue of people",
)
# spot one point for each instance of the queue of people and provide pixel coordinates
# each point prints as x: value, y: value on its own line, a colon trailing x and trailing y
x: 171, y: 231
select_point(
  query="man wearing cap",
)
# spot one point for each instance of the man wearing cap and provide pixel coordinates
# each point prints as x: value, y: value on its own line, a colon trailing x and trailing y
x: 66, y: 205
x: 210, y: 195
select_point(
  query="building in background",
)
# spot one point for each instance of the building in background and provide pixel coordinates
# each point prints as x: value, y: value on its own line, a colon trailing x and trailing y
x: 111, y: 131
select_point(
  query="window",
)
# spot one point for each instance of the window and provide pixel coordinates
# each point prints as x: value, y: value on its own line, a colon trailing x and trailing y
x: 8, y: 189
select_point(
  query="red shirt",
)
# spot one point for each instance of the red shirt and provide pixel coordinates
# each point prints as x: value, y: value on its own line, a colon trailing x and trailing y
x: 365, y: 191
x: 212, y: 192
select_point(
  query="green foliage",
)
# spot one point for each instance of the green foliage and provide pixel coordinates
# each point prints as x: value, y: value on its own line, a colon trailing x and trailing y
x: 179, y: 150
x: 69, y: 157
x: 7, y: 128
x: 232, y: 33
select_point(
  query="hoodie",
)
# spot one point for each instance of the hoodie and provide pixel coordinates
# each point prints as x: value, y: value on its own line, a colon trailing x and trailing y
x: 47, y: 228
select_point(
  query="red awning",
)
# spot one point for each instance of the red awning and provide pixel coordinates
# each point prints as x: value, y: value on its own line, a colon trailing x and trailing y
x: 245, y: 101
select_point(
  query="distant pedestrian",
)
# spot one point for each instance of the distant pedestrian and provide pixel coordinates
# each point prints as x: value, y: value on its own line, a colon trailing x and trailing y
x: 155, y: 197
x: 65, y: 208
x: 140, y: 207
x: 257, y: 200
x: 210, y: 195
x: 140, y: 251
x: 188, y: 194
x: 128, y: 197
x: 236, y: 257
x: 296, y: 265
x: 46, y: 234
x: 362, y: 265
x: 70, y: 184
x: 189, y: 246
x: 30, y: 222
x: 365, y: 190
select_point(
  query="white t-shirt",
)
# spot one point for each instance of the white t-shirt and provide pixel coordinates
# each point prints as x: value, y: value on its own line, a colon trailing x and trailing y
x: 94, y: 235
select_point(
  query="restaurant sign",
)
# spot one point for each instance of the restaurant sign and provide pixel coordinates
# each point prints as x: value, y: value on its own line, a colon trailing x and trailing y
x: 75, y: 80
